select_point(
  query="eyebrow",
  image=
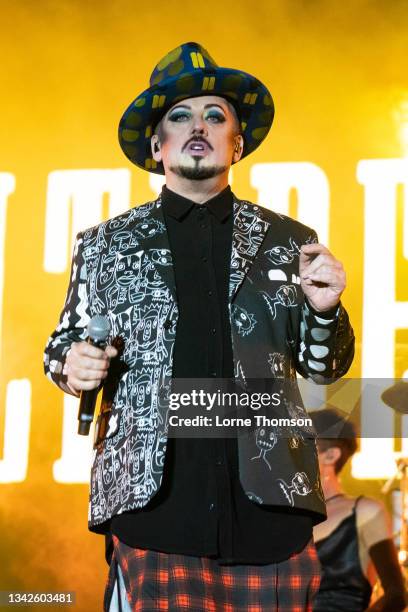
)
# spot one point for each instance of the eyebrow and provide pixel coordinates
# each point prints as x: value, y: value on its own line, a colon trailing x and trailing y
x: 206, y: 106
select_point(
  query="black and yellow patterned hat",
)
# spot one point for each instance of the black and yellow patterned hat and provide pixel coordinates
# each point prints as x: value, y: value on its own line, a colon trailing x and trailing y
x: 186, y: 72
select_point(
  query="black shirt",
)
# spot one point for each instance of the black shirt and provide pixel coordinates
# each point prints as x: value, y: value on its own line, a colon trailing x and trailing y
x: 201, y: 508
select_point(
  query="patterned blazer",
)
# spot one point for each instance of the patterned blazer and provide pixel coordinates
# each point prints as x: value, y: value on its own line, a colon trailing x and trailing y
x: 123, y: 268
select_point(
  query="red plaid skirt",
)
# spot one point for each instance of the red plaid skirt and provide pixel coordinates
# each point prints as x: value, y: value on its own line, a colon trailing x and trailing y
x: 175, y: 583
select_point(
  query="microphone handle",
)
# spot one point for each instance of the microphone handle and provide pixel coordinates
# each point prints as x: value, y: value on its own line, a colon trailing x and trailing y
x: 87, y: 401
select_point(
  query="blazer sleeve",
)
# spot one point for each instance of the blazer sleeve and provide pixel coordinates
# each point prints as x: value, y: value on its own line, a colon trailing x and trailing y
x: 325, y: 343
x: 72, y: 322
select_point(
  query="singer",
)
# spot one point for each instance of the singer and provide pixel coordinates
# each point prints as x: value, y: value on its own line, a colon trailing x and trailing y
x: 187, y: 283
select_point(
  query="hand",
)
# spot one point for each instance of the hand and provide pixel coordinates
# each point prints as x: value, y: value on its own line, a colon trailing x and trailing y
x: 322, y: 276
x: 86, y: 365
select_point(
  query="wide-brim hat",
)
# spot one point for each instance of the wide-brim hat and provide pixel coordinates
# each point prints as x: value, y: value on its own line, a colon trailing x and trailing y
x: 396, y: 397
x: 186, y: 72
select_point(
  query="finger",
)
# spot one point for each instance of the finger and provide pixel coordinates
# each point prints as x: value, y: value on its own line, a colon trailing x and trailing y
x: 323, y: 259
x: 88, y: 363
x: 86, y: 374
x: 111, y: 351
x: 83, y: 385
x: 87, y: 350
x: 334, y: 281
x: 313, y: 249
x: 326, y: 266
x: 305, y: 258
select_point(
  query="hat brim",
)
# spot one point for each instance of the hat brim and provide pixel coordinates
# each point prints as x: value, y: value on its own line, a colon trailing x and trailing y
x: 249, y: 96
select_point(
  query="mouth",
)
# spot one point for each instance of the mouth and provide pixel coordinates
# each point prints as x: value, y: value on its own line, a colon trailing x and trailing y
x: 198, y: 148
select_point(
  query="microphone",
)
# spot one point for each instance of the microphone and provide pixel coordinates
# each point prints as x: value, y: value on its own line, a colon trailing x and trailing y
x: 98, y: 332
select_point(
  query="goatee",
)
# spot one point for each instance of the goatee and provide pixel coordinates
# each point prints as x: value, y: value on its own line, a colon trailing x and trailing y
x: 198, y: 174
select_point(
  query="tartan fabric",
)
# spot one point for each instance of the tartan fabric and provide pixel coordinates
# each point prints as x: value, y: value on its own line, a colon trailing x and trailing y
x: 157, y: 581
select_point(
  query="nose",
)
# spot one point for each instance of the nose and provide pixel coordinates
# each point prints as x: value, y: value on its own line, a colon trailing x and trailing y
x: 199, y: 126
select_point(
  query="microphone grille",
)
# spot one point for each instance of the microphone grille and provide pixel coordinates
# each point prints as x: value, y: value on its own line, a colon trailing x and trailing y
x: 99, y: 328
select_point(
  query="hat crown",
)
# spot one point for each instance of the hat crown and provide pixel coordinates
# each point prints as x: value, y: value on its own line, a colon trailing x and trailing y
x: 187, y: 57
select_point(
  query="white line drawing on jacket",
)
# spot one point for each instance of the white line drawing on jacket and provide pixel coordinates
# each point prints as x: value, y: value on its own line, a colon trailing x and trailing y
x: 265, y: 439
x: 300, y: 485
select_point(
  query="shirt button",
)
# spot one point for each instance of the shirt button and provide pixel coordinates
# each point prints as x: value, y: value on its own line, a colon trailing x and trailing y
x: 203, y: 226
x: 212, y: 506
x: 214, y: 374
x: 218, y: 462
x: 210, y: 292
x: 204, y: 259
x: 214, y: 330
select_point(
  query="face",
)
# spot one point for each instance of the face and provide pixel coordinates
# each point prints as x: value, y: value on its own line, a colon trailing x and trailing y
x: 327, y: 458
x: 198, y: 138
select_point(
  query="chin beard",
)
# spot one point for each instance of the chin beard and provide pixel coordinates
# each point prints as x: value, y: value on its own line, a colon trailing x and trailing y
x: 196, y: 173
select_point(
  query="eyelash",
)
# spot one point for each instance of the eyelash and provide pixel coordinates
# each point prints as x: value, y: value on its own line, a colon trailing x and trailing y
x: 176, y: 117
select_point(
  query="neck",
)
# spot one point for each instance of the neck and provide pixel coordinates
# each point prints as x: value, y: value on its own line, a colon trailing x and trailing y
x: 197, y: 191
x: 331, y: 485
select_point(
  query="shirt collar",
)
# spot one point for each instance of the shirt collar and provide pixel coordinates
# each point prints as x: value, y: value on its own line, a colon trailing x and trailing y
x: 178, y: 206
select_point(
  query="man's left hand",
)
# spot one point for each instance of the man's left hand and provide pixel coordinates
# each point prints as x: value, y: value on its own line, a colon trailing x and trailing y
x: 322, y: 276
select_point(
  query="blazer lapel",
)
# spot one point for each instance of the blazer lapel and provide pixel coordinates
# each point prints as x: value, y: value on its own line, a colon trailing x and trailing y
x: 248, y: 233
x: 151, y: 231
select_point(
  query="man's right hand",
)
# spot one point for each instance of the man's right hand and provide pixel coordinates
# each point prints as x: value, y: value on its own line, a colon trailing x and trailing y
x: 86, y: 366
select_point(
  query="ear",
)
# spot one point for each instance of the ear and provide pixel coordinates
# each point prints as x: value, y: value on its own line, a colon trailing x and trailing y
x: 155, y: 145
x: 238, y: 148
x: 331, y: 455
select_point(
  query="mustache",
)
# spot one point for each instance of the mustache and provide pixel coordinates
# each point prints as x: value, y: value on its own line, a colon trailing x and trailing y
x: 197, y: 139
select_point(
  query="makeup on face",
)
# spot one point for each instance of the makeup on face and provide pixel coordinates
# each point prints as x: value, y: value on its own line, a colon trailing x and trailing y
x: 212, y: 112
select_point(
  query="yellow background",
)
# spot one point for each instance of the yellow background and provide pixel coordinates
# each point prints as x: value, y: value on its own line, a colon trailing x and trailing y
x: 338, y: 75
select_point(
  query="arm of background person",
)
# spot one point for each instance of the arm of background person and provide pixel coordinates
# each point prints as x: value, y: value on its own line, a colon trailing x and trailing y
x: 374, y: 528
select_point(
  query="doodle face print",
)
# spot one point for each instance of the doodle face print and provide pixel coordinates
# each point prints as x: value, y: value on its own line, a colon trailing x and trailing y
x: 127, y: 269
x: 277, y: 363
x: 116, y: 224
x: 283, y: 255
x: 265, y: 439
x: 300, y: 485
x: 244, y: 320
x: 160, y: 452
x: 105, y: 277
x: 141, y: 389
x: 149, y: 228
x: 285, y: 296
x: 122, y: 241
x: 161, y: 257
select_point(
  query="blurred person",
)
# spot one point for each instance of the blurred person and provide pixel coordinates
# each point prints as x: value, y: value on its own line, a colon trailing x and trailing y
x: 355, y: 543
x: 200, y: 284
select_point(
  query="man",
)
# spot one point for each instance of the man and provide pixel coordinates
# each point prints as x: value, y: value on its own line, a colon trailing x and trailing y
x: 200, y: 284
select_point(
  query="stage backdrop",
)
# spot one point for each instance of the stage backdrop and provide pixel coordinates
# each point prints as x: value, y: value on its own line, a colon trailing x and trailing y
x: 336, y: 158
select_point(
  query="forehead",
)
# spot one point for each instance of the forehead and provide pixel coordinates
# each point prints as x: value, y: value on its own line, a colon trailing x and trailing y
x: 201, y: 102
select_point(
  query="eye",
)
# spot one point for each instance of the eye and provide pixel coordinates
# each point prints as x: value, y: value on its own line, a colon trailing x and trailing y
x: 180, y: 115
x: 215, y: 116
